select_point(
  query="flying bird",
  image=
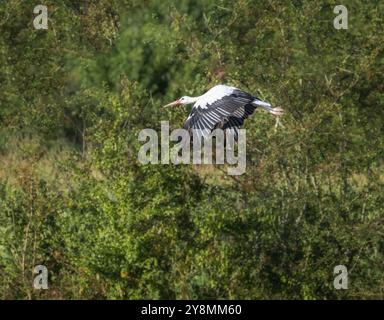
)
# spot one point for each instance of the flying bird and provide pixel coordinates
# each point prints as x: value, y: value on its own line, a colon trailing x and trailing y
x: 223, y: 107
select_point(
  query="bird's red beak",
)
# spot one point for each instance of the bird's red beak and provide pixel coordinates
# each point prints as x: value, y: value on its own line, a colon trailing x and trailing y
x: 174, y: 103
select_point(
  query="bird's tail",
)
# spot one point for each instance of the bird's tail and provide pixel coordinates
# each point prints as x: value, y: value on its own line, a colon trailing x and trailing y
x: 267, y: 106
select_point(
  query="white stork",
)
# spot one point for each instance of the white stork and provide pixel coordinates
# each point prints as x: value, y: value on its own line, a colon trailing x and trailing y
x: 222, y: 107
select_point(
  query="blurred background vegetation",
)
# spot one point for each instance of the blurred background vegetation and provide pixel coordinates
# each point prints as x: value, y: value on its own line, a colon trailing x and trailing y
x: 74, y: 198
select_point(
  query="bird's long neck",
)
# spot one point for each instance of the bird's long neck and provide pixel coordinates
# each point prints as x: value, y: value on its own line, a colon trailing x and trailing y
x: 194, y: 99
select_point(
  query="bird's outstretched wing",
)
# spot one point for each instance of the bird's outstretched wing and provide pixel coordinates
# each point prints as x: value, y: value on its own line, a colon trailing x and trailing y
x: 221, y: 107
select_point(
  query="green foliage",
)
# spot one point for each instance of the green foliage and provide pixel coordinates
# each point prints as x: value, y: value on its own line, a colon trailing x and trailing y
x: 74, y: 197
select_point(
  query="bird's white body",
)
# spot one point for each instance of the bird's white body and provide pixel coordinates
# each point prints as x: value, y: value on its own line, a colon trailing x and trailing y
x: 214, y: 94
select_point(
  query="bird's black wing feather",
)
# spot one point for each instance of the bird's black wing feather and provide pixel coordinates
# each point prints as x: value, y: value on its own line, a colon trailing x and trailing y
x: 229, y: 112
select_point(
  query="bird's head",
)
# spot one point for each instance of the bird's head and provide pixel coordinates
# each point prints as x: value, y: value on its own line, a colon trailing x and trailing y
x: 182, y: 101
